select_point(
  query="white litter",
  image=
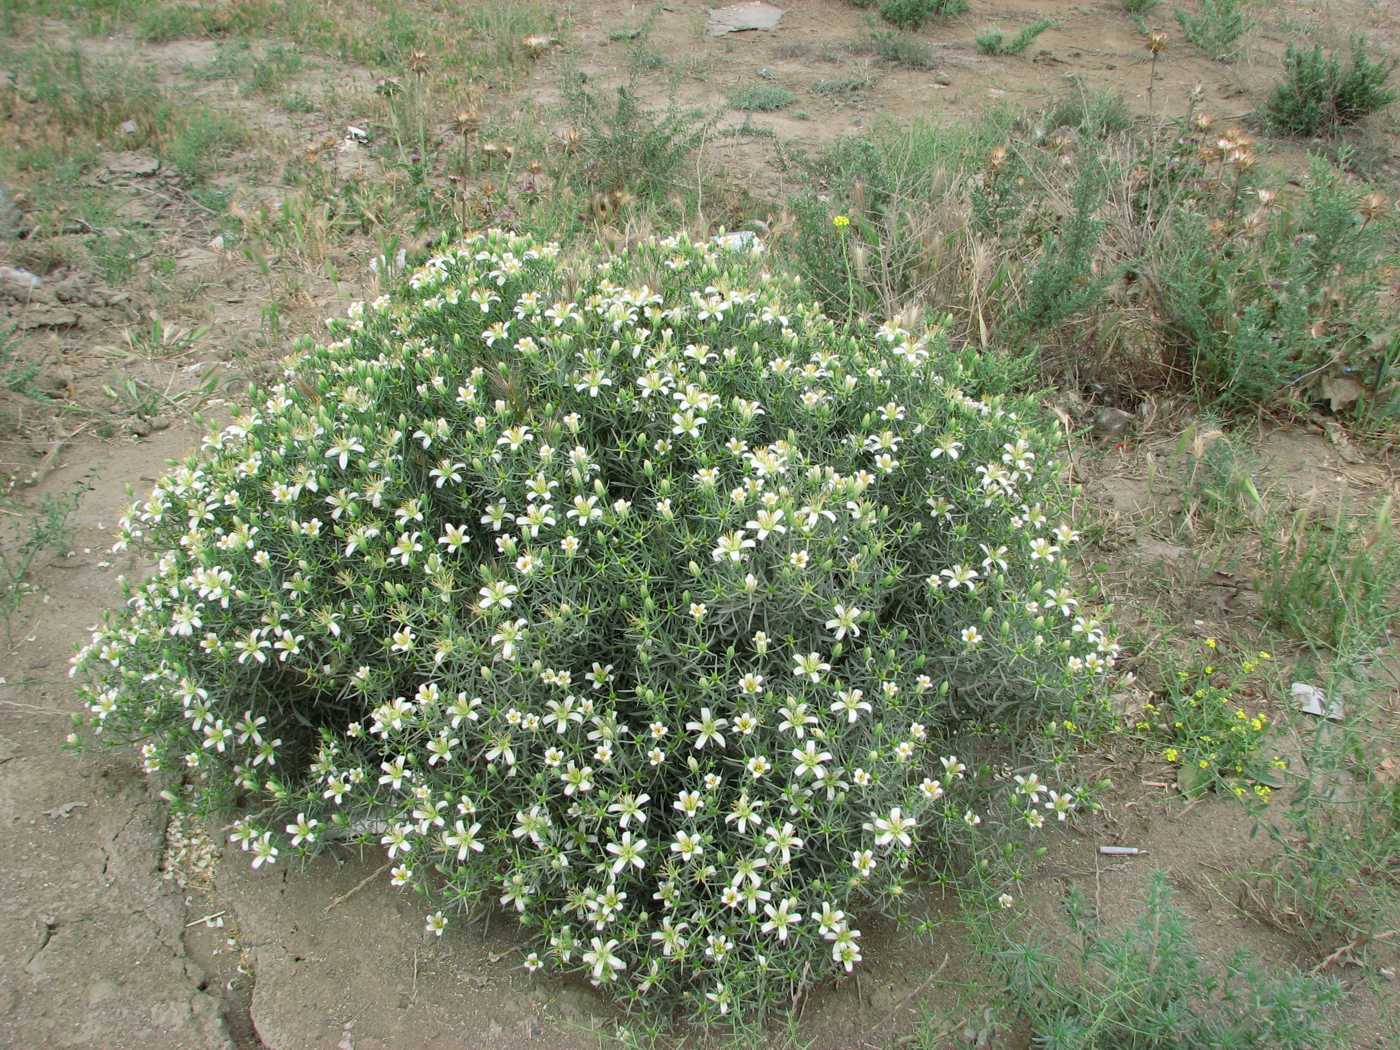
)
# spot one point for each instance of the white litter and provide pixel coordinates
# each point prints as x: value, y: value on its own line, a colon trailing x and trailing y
x: 1313, y: 701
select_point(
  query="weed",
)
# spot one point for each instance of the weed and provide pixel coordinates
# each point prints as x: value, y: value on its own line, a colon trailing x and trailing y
x: 899, y: 49
x: 1317, y: 97
x: 1093, y: 113
x: 626, y: 147
x: 1139, y: 7
x: 1331, y: 581
x: 161, y: 339
x: 16, y: 376
x: 912, y: 14
x: 1336, y: 874
x: 44, y: 531
x: 994, y: 42
x: 1147, y: 988
x: 1209, y: 725
x: 203, y: 137
x: 272, y: 68
x: 1218, y: 29
x: 762, y: 98
x: 843, y: 88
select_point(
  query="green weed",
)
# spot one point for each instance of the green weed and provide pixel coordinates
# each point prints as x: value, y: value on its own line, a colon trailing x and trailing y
x: 762, y: 98
x: 912, y: 14
x: 1331, y: 581
x: 44, y: 531
x: 203, y: 137
x: 900, y: 49
x: 1094, y: 113
x: 1148, y: 988
x: 1318, y: 97
x: 1218, y: 29
x: 626, y: 147
x: 994, y: 42
x: 1139, y: 7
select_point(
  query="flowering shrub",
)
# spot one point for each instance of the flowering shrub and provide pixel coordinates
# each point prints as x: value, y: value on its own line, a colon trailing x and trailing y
x: 635, y: 597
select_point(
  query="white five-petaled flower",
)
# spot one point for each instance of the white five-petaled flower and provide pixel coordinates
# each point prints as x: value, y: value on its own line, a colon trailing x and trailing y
x: 604, y: 963
x: 893, y: 827
x: 627, y: 850
x: 707, y: 729
x: 811, y: 666
x: 843, y: 621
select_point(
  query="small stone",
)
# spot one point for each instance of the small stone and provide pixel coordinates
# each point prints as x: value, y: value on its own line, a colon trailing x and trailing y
x: 217, y: 244
x: 1112, y: 422
x: 128, y: 127
x: 18, y: 281
x: 135, y: 165
x: 48, y: 317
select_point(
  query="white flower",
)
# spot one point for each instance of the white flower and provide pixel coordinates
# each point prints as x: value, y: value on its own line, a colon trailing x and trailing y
x: 707, y: 729
x: 894, y: 827
x: 781, y: 918
x: 844, y: 621
x: 627, y: 851
x: 602, y: 960
x: 811, y: 666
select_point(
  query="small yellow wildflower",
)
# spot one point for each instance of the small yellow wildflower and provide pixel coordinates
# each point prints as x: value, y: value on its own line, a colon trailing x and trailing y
x: 1210, y: 643
x: 841, y: 221
x: 1171, y: 754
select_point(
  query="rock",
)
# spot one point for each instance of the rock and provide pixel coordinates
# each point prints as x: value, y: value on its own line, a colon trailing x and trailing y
x: 48, y: 317
x: 18, y: 282
x: 1156, y: 550
x: 128, y: 127
x: 739, y: 18
x: 1112, y: 422
x: 134, y: 165
x: 139, y: 426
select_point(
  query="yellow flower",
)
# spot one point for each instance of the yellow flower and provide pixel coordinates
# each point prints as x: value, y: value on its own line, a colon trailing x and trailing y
x: 1263, y: 791
x: 1171, y: 754
x: 1210, y: 643
x: 841, y: 222
x: 1264, y: 655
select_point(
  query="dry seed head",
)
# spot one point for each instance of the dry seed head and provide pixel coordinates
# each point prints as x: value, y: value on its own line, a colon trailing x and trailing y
x: 1266, y: 197
x: 1373, y: 204
x: 571, y: 139
x: 537, y: 44
x: 418, y: 62
x: 1204, y: 121
x: 466, y: 121
x: 1157, y: 42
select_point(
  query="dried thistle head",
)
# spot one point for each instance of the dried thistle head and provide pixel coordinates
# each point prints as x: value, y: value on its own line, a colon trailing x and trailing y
x: 418, y: 62
x: 1204, y: 121
x: 571, y: 139
x: 996, y: 159
x: 1156, y: 42
x: 1267, y: 198
x: 466, y: 121
x: 537, y: 44
x: 1373, y: 204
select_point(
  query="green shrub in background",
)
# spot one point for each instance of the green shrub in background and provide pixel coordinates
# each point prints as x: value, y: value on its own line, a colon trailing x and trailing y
x: 1317, y: 96
x: 1218, y: 29
x: 912, y: 14
x: 1113, y: 261
x: 636, y: 597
